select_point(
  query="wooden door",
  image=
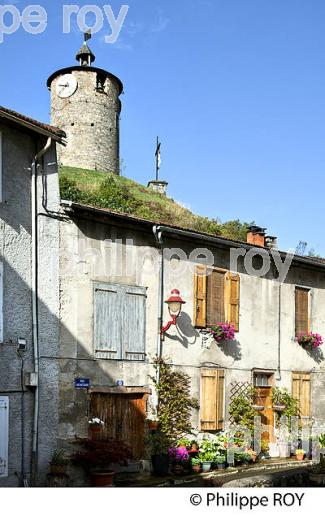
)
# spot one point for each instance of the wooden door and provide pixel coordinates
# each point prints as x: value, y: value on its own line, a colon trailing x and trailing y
x: 267, y: 415
x: 124, y: 418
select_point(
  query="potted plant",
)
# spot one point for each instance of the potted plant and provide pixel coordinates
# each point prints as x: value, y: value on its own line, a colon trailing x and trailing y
x: 300, y: 454
x: 278, y: 399
x: 178, y: 457
x: 58, y: 463
x: 243, y: 458
x: 96, y: 457
x: 184, y: 443
x: 194, y: 446
x: 223, y: 332
x: 95, y: 427
x: 252, y: 454
x: 159, y: 445
x: 206, y: 459
x: 220, y: 461
x: 195, y: 464
x: 309, y: 341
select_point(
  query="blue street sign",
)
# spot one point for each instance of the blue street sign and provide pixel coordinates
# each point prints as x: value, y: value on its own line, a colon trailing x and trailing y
x: 120, y: 383
x: 81, y: 383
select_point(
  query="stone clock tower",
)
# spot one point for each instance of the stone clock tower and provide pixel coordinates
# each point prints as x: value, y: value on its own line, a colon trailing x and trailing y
x: 85, y: 104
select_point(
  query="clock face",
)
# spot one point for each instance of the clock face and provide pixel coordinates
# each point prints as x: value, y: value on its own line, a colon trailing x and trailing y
x: 66, y: 86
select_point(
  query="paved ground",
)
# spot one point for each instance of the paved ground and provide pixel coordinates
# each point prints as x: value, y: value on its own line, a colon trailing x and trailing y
x: 273, y: 469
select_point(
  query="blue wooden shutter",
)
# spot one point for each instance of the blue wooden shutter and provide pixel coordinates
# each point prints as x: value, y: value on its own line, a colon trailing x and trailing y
x: 134, y: 323
x: 107, y: 321
x: 4, y: 430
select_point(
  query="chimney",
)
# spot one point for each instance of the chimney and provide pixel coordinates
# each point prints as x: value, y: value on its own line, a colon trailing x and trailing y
x: 256, y: 236
x: 271, y: 242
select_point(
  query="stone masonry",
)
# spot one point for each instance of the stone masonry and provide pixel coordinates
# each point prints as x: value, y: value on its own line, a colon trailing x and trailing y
x: 90, y: 118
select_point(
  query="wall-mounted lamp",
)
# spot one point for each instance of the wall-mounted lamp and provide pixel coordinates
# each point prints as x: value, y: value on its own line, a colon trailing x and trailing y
x: 174, y: 302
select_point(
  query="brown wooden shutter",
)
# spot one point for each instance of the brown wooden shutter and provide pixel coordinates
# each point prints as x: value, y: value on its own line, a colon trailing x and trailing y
x: 215, y: 298
x: 232, y: 299
x: 212, y: 399
x: 200, y: 296
x: 301, y: 390
x: 302, y: 310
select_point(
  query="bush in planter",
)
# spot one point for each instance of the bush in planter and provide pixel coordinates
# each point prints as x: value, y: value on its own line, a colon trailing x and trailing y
x: 243, y: 458
x: 220, y: 460
x: 159, y: 445
x: 98, y: 456
x: 196, y: 464
x: 179, y: 458
x: 59, y: 462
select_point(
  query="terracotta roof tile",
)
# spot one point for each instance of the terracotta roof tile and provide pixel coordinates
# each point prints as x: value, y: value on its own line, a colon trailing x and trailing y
x: 32, y: 124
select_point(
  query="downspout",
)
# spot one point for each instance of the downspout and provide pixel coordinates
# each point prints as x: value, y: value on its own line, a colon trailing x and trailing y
x: 34, y: 239
x: 278, y: 375
x: 158, y: 237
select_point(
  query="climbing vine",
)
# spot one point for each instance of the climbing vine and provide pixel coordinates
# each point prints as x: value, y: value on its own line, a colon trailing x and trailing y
x: 175, y: 403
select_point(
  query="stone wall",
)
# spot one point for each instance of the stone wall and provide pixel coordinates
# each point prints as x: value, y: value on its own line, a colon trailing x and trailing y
x: 90, y: 119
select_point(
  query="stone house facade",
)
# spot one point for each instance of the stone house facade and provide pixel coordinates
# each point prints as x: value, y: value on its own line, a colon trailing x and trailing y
x: 112, y: 291
x: 29, y: 293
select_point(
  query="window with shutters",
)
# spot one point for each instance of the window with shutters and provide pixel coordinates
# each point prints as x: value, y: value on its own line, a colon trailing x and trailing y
x: 302, y: 316
x: 301, y: 390
x: 216, y: 297
x: 119, y: 322
x: 4, y: 421
x: 212, y: 399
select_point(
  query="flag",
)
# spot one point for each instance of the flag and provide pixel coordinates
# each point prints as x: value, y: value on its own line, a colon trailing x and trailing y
x: 87, y: 35
x: 158, y: 154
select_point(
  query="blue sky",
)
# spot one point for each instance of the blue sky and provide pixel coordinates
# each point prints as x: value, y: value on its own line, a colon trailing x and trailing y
x: 234, y: 88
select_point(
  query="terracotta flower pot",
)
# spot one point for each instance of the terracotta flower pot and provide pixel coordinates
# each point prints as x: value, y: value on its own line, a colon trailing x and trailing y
x: 196, y: 469
x: 102, y: 479
x: 94, y: 432
x: 300, y: 456
x: 153, y: 425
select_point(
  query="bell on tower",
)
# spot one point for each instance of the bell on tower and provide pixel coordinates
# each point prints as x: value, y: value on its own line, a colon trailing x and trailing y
x: 85, y: 56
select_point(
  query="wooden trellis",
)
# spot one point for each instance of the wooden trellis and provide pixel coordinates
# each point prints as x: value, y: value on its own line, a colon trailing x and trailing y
x: 237, y: 389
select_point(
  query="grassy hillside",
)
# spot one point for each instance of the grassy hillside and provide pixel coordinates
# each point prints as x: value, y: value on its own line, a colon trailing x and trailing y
x: 120, y: 194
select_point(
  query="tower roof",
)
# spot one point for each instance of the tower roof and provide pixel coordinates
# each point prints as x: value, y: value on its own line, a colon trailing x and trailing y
x: 85, y: 56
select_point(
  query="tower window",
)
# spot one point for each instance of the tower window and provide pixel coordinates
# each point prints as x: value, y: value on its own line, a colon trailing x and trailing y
x: 101, y: 79
x: 92, y: 124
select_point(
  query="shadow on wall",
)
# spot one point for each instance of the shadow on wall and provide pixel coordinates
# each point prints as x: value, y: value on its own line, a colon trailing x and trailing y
x: 187, y: 334
x: 61, y: 405
x: 316, y: 354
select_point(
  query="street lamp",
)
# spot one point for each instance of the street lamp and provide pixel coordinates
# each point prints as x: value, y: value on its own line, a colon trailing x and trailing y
x: 174, y: 302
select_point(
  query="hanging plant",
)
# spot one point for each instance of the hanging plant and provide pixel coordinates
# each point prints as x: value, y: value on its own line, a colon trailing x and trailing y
x: 309, y: 341
x: 222, y: 332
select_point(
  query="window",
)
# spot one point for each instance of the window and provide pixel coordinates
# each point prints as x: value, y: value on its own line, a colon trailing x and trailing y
x: 301, y: 386
x: 4, y: 414
x: 119, y: 322
x: 216, y: 297
x: 263, y: 379
x: 302, y: 310
x: 212, y: 399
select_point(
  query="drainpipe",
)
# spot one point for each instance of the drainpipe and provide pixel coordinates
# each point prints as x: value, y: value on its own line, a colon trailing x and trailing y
x: 278, y: 375
x: 34, y: 239
x: 158, y: 237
